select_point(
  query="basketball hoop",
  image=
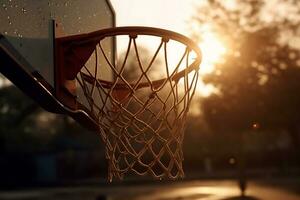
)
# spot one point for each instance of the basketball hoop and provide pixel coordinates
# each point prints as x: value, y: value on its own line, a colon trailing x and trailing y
x: 141, y: 121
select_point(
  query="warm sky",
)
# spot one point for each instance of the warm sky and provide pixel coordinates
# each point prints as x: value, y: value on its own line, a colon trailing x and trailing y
x: 167, y: 14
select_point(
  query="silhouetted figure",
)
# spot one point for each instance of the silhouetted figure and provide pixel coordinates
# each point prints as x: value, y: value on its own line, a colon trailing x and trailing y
x: 242, y: 180
x: 242, y: 185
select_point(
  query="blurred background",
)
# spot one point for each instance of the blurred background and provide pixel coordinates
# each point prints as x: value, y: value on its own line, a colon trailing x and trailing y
x: 244, y: 123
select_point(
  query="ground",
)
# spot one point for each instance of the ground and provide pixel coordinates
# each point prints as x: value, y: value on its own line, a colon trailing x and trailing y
x: 286, y: 189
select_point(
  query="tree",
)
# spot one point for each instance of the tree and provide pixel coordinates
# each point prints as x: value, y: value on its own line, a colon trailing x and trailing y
x: 257, y: 82
x: 26, y: 127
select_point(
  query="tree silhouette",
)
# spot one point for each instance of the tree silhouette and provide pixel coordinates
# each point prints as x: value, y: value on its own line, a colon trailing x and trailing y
x: 258, y: 81
x: 26, y: 127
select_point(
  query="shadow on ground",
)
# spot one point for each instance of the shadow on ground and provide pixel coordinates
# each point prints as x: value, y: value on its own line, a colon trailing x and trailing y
x: 190, y: 197
x: 241, y: 198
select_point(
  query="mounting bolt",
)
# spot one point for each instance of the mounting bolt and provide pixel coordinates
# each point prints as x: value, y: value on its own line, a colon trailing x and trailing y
x: 133, y: 35
x: 165, y: 39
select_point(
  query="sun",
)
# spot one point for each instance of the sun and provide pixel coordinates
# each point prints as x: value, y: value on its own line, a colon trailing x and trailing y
x: 213, y: 50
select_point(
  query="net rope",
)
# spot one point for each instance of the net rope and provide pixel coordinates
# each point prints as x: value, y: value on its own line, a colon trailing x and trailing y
x: 141, y: 121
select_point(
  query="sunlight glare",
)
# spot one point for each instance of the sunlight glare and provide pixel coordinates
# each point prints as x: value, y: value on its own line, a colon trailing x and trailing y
x: 213, y: 50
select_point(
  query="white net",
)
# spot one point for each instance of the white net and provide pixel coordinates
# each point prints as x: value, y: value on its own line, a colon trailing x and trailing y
x: 142, y: 119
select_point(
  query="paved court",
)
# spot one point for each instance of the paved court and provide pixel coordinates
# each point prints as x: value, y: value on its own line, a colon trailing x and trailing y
x: 189, y: 190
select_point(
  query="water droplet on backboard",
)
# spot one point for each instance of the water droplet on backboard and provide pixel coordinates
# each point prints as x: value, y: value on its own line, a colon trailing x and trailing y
x: 24, y: 10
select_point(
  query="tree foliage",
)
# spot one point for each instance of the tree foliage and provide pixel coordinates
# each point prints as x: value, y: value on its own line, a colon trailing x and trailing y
x: 258, y: 82
x: 26, y: 127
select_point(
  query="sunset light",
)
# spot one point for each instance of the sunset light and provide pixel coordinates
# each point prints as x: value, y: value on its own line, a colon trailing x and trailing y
x: 213, y: 51
x: 150, y: 100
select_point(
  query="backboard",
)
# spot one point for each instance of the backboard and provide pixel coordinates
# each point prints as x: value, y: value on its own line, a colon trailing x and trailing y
x: 29, y: 29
